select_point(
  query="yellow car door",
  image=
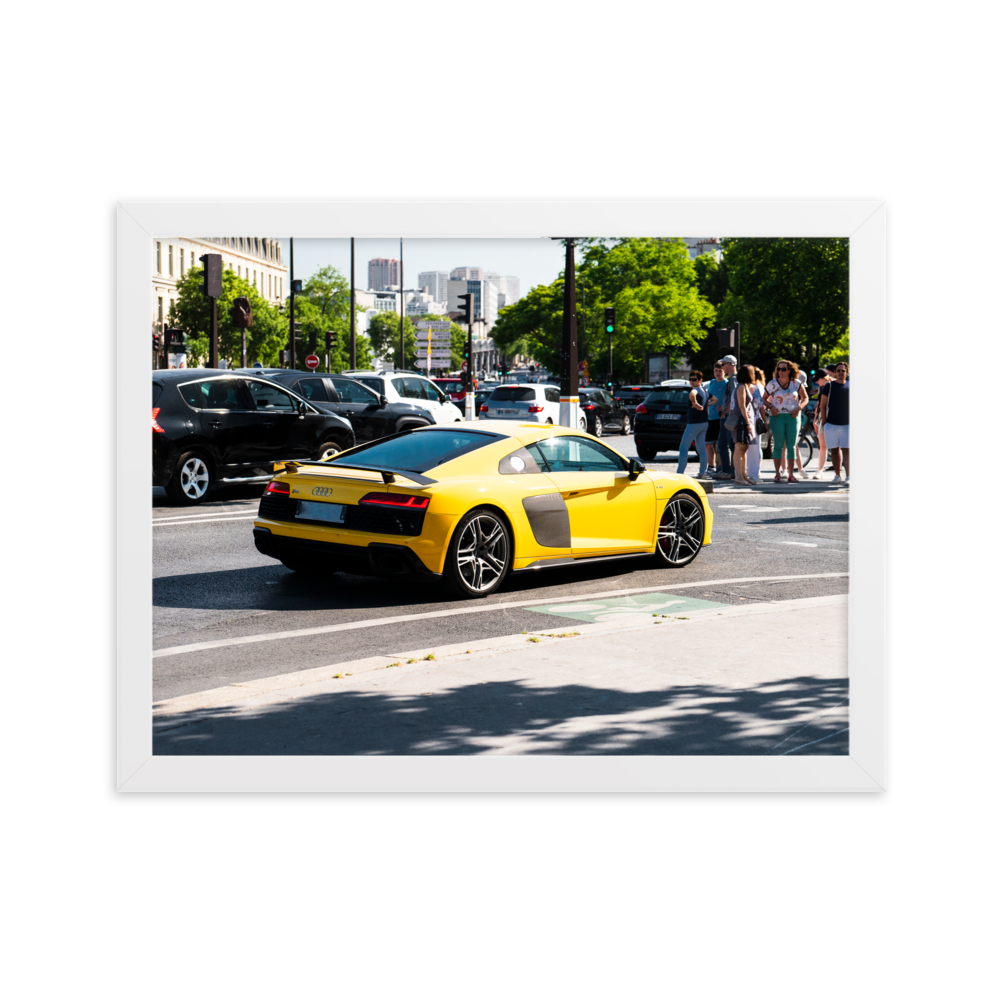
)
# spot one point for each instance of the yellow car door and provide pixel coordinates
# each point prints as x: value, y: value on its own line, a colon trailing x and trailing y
x: 608, y: 512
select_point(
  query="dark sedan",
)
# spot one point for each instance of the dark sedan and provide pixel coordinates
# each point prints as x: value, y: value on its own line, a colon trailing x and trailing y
x: 603, y: 412
x: 213, y: 427
x: 371, y: 415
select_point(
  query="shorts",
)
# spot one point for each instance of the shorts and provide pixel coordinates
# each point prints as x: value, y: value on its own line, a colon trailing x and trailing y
x: 837, y: 435
x: 712, y: 434
x: 742, y: 433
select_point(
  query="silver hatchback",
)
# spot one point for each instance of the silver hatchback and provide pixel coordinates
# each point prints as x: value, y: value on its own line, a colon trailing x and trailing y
x: 538, y: 404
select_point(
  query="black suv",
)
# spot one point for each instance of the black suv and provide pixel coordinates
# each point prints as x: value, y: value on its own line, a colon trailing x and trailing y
x: 632, y: 395
x: 371, y: 415
x: 214, y: 427
x: 603, y: 412
x: 660, y: 419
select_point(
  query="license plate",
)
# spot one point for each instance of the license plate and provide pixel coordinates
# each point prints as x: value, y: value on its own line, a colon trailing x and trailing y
x: 668, y: 416
x: 508, y: 413
x: 313, y: 511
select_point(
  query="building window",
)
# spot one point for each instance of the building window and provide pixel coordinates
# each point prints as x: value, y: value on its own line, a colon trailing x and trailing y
x: 159, y: 310
x: 269, y: 288
x: 239, y: 271
x: 182, y: 262
x: 255, y: 278
x: 170, y: 260
x: 159, y: 269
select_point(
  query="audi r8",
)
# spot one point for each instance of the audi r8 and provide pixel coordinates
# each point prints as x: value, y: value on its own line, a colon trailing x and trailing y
x: 472, y: 504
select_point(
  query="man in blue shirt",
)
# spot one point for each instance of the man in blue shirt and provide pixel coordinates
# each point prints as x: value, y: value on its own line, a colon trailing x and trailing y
x: 716, y: 389
x: 724, y: 445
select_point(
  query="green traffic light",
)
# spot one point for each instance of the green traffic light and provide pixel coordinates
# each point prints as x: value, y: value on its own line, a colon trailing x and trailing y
x: 611, y: 328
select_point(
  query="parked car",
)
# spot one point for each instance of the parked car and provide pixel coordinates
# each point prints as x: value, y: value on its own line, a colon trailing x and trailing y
x: 632, y: 395
x: 454, y: 389
x: 470, y: 505
x: 603, y: 412
x: 661, y: 418
x: 520, y: 401
x: 213, y: 427
x: 371, y: 415
x: 411, y: 387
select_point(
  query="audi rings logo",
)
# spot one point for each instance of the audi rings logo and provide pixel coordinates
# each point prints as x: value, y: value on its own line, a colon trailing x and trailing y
x: 322, y: 491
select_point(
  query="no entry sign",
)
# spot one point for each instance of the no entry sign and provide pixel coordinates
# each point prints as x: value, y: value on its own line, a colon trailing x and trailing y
x: 312, y: 362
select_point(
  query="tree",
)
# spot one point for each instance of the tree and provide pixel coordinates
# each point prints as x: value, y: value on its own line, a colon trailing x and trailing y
x: 383, y: 331
x: 325, y: 304
x: 790, y: 296
x: 192, y: 313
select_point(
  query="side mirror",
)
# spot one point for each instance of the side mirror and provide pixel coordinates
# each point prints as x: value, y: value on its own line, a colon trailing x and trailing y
x: 301, y: 407
x: 383, y: 402
x: 635, y: 469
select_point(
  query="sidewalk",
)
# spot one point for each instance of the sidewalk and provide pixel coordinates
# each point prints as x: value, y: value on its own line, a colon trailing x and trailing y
x: 646, y: 684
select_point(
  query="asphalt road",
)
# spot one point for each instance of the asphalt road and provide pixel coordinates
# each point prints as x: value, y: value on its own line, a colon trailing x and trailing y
x: 211, y: 586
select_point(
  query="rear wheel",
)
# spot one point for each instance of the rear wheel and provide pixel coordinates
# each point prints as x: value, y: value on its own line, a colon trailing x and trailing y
x: 626, y: 425
x: 681, y: 531
x: 192, y: 480
x: 480, y: 554
x: 327, y: 450
x: 583, y: 424
x: 598, y: 427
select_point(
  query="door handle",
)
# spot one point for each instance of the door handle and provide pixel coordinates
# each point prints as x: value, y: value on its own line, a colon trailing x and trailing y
x: 268, y: 423
x: 215, y: 423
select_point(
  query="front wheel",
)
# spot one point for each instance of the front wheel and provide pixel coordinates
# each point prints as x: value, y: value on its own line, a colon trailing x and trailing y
x: 192, y: 480
x: 598, y: 427
x: 326, y: 451
x: 480, y: 554
x: 681, y: 532
x: 626, y: 426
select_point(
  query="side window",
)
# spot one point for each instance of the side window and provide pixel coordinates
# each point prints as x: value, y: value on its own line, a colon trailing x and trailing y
x: 375, y: 384
x: 213, y: 394
x: 351, y: 392
x: 400, y: 386
x: 552, y: 395
x: 270, y: 397
x: 415, y: 389
x: 431, y: 391
x: 312, y: 389
x: 568, y: 453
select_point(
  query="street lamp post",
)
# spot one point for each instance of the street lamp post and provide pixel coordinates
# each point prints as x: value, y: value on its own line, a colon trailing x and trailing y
x: 402, y: 309
x: 569, y: 390
x: 354, y: 327
x: 291, y: 302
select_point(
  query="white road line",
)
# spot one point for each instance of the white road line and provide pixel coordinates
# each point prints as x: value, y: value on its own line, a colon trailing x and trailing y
x: 188, y: 517
x: 807, y: 545
x: 394, y: 619
x: 244, y: 517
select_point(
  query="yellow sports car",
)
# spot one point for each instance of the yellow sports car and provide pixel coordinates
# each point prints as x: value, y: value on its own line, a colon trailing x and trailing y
x: 471, y: 503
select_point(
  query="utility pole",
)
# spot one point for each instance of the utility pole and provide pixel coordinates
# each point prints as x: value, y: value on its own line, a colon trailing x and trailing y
x: 402, y: 309
x: 569, y: 390
x: 291, y: 290
x: 354, y: 328
x: 212, y: 287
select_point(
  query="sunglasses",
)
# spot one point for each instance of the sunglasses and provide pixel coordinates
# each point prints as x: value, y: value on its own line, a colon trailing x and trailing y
x: 841, y: 371
x: 780, y: 369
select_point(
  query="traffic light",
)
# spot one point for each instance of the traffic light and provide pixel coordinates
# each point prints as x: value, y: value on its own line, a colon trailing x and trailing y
x: 609, y: 320
x: 329, y: 340
x: 466, y: 379
x: 297, y: 286
x: 465, y: 308
x: 157, y: 342
x: 312, y: 341
x: 176, y: 341
x: 298, y: 331
x: 211, y: 279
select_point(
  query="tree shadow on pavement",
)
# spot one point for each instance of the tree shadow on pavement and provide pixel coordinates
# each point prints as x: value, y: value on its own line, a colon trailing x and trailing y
x: 801, y: 715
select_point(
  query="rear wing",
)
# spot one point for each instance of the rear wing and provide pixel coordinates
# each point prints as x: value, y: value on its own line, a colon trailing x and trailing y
x: 388, y: 474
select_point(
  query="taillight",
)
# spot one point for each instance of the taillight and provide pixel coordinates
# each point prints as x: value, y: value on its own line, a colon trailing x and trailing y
x: 396, y: 500
x: 484, y: 408
x: 156, y: 426
x: 534, y: 408
x: 587, y: 406
x: 275, y: 487
x: 641, y: 408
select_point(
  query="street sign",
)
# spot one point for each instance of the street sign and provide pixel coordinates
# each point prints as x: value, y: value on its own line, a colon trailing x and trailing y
x: 465, y: 366
x: 434, y: 325
x: 312, y: 362
x: 435, y: 338
x: 434, y: 362
x: 257, y: 364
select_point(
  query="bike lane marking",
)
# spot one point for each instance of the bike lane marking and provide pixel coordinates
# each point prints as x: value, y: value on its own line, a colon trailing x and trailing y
x: 449, y: 612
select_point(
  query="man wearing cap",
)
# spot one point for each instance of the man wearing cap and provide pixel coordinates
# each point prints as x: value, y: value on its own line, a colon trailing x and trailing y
x: 724, y: 446
x: 834, y: 414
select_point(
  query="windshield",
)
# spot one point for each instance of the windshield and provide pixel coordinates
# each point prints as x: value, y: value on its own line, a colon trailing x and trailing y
x: 418, y: 451
x: 509, y: 394
x: 668, y: 396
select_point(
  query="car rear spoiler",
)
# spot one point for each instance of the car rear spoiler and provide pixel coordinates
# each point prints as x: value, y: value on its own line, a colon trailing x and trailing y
x: 388, y: 474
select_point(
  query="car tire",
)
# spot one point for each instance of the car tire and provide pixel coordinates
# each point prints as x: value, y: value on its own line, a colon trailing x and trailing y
x: 192, y: 479
x: 583, y: 424
x: 626, y: 425
x: 479, y: 555
x: 646, y: 454
x: 327, y: 450
x: 681, y: 532
x: 598, y: 427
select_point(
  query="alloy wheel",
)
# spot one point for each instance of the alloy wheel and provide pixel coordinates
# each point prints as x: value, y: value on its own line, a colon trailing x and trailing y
x: 327, y: 452
x: 682, y: 530
x: 194, y: 478
x: 482, y: 552
x: 598, y: 427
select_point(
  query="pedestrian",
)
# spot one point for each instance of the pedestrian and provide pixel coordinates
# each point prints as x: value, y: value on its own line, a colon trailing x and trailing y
x: 822, y: 378
x: 716, y: 390
x: 746, y: 423
x: 803, y: 419
x: 724, y: 445
x: 759, y: 411
x: 786, y: 398
x: 834, y: 414
x: 697, y: 427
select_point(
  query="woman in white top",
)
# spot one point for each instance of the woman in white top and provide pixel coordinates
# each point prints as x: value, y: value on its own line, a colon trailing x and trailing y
x: 786, y: 398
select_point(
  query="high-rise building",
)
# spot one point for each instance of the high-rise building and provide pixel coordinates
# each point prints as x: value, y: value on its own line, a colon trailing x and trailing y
x: 467, y: 274
x: 508, y: 286
x: 383, y: 272
x: 436, y: 283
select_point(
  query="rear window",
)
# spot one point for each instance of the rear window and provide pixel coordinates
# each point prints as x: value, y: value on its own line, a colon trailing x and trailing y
x: 669, y: 396
x: 510, y: 394
x: 157, y: 389
x: 633, y: 395
x: 418, y: 451
x: 373, y: 383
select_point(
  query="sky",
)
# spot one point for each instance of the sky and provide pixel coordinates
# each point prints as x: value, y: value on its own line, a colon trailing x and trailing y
x: 535, y: 261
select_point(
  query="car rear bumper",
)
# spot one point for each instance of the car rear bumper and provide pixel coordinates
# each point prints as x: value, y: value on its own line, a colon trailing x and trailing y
x: 661, y: 439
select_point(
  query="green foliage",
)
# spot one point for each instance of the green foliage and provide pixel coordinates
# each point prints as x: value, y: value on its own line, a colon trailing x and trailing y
x: 192, y: 313
x: 788, y: 294
x: 653, y: 286
x: 325, y: 304
x: 384, y: 333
